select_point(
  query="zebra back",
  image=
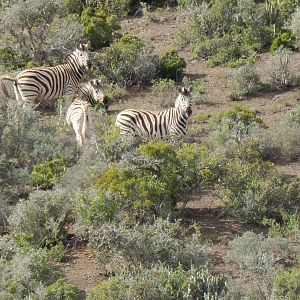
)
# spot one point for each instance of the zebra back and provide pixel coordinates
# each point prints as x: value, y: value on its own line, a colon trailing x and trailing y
x: 172, y: 121
x: 49, y: 83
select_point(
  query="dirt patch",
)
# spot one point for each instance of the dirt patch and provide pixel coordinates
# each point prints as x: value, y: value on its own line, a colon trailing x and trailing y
x: 82, y: 269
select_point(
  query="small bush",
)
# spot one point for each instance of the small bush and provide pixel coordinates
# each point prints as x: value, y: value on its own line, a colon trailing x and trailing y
x: 149, y: 184
x: 129, y: 61
x: 246, y: 192
x: 232, y: 133
x: 295, y: 25
x: 280, y: 69
x: 282, y: 144
x: 198, y: 89
x: 111, y: 146
x: 160, y: 283
x: 285, y: 40
x: 99, y: 27
x: 287, y: 284
x: 60, y: 290
x: 288, y: 226
x: 41, y: 219
x: 172, y: 65
x: 294, y: 117
x: 245, y: 82
x: 227, y: 30
x: 121, y: 8
x: 28, y: 274
x: 45, y: 175
x: 162, y: 242
x: 260, y: 258
x: 164, y: 90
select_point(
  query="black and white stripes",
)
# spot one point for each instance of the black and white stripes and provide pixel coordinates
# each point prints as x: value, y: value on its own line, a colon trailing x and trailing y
x: 42, y: 84
x: 79, y: 112
x: 158, y: 125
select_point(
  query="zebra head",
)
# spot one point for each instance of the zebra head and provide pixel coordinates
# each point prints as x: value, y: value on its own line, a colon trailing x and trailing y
x: 82, y: 56
x: 184, y: 99
x: 97, y: 91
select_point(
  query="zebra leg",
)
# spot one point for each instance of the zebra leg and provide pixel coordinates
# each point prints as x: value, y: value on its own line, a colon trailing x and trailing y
x: 17, y: 93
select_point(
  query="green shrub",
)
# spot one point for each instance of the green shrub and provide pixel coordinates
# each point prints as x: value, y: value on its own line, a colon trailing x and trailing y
x: 246, y: 192
x: 160, y: 283
x: 172, y: 65
x: 41, y: 219
x: 287, y: 284
x: 285, y: 40
x: 288, y: 226
x: 121, y: 8
x: 129, y: 61
x: 162, y: 242
x: 164, y: 90
x: 232, y: 133
x: 73, y: 6
x: 46, y: 175
x: 60, y: 290
x: 227, y: 30
x: 10, y: 59
x: 245, y: 82
x: 99, y: 27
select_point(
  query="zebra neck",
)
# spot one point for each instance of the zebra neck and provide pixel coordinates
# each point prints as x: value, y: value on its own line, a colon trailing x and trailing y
x: 87, y: 97
x: 180, y: 113
x: 76, y: 71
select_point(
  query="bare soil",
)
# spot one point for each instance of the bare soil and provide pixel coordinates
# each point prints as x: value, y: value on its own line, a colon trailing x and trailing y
x: 82, y: 270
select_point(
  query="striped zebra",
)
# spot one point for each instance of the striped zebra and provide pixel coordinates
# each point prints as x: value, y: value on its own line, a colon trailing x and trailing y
x: 79, y: 112
x: 49, y: 83
x: 156, y: 125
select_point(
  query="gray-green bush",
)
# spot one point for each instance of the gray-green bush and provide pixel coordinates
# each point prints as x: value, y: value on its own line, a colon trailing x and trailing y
x: 245, y: 82
x: 165, y: 242
x: 280, y: 69
x: 227, y: 30
x: 41, y: 220
x: 26, y: 33
x: 160, y: 283
x: 27, y: 274
x: 129, y: 61
x: 260, y: 258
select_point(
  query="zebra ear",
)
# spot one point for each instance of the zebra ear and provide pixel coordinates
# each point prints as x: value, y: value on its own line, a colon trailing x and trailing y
x: 179, y: 89
x: 83, y: 47
x: 96, y: 82
x: 190, y: 88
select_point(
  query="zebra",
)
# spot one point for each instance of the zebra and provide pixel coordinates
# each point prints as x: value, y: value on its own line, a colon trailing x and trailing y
x: 157, y: 125
x: 79, y: 112
x: 49, y: 83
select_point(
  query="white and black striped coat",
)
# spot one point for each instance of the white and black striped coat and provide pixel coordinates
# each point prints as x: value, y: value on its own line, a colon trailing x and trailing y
x: 157, y: 125
x: 79, y: 113
x: 49, y: 83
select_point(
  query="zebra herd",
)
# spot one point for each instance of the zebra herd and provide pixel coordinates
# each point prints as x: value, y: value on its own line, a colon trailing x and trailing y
x: 33, y: 86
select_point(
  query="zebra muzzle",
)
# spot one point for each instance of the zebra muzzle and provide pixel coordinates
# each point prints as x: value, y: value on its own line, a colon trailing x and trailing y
x: 189, y: 111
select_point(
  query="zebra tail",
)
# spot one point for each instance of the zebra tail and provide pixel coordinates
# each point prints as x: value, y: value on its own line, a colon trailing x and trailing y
x: 84, y: 125
x: 2, y: 85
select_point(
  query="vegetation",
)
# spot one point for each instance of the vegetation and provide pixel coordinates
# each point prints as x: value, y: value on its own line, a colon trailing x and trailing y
x: 132, y: 201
